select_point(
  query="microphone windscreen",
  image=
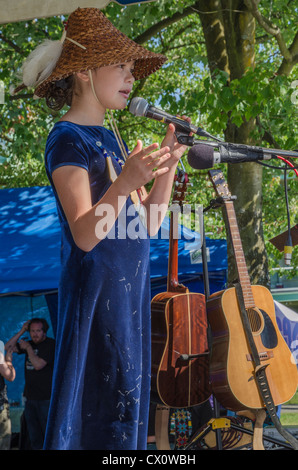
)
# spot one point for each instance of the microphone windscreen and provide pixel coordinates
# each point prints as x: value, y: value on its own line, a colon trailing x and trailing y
x: 200, y: 157
x: 138, y: 106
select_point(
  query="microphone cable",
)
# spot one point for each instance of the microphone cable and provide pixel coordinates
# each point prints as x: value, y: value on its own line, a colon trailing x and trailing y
x: 288, y: 247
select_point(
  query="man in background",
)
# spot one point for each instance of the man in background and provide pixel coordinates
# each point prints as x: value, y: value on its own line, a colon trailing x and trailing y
x: 39, y: 361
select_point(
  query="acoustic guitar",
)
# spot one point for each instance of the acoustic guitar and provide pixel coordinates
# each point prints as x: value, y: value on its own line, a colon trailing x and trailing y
x: 180, y: 355
x: 232, y: 370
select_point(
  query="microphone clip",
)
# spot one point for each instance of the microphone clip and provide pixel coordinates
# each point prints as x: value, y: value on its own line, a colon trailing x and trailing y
x: 184, y: 139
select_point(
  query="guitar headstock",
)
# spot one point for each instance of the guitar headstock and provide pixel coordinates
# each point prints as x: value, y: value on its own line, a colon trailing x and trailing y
x: 181, y: 182
x: 219, y: 183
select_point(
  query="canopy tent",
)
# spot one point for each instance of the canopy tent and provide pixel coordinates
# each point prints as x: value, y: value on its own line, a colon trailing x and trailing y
x: 21, y: 10
x: 29, y: 241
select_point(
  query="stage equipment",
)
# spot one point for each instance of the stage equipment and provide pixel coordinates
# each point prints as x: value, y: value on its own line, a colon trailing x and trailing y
x: 237, y: 432
x: 251, y: 366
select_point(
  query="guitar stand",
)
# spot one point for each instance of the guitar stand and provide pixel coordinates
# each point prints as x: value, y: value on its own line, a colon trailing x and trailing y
x: 217, y: 424
x: 227, y: 425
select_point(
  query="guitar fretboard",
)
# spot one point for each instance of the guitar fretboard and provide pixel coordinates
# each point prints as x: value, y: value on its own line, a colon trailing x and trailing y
x: 239, y: 256
x: 180, y: 187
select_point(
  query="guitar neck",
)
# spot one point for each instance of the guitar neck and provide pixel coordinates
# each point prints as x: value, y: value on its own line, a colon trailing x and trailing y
x: 173, y: 259
x: 180, y: 186
x: 239, y: 256
x: 173, y: 254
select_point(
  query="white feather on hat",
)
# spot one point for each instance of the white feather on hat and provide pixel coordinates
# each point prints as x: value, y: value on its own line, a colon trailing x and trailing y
x: 41, y: 62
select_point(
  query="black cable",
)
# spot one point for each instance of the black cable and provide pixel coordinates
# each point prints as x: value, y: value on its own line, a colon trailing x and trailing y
x: 277, y: 167
x: 289, y: 245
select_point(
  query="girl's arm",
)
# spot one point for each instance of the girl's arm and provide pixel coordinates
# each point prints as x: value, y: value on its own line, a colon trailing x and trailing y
x: 73, y: 188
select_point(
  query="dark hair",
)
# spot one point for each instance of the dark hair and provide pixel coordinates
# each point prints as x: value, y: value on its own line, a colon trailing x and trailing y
x: 60, y: 93
x: 45, y: 325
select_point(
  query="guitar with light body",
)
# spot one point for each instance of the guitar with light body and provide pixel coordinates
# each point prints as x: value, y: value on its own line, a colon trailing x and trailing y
x: 232, y: 369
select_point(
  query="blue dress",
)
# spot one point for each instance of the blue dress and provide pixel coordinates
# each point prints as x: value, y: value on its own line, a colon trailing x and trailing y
x: 101, y: 380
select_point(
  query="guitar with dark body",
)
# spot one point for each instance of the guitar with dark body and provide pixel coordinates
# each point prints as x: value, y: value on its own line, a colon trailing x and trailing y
x: 232, y: 368
x: 180, y: 356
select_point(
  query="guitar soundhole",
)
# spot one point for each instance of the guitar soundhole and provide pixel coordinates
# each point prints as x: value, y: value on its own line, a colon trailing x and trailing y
x: 261, y: 324
x: 256, y: 320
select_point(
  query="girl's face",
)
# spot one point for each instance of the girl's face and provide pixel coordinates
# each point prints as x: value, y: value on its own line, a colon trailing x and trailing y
x: 113, y: 84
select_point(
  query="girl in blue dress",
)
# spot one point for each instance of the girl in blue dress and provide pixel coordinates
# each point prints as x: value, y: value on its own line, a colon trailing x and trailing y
x: 101, y: 381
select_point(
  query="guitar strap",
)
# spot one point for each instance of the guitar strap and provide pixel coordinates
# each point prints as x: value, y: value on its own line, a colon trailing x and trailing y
x: 260, y: 373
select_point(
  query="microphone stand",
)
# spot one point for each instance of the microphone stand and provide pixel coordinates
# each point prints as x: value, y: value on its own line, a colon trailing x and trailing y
x: 189, y: 140
x: 216, y: 406
x: 183, y: 139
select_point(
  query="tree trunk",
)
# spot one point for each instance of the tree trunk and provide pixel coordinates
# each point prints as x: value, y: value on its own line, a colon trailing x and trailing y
x: 230, y: 36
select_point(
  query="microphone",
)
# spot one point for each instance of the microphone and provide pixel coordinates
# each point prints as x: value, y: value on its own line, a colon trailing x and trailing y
x: 140, y: 107
x: 204, y: 156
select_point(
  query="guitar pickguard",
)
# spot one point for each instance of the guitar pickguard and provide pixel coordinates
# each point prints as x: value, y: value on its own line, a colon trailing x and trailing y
x: 268, y: 335
x: 261, y: 325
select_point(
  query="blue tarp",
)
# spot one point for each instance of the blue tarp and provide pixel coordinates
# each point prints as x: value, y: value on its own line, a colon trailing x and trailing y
x: 29, y: 240
x: 30, y: 245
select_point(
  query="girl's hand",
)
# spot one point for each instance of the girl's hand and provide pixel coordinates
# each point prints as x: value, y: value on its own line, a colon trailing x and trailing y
x: 143, y: 165
x: 170, y: 140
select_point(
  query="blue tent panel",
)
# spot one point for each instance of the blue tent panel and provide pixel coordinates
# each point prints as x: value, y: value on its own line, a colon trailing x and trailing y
x: 29, y: 240
x: 190, y: 267
x: 189, y: 252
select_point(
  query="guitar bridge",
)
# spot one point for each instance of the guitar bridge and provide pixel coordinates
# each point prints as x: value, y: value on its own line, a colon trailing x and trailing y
x: 263, y: 356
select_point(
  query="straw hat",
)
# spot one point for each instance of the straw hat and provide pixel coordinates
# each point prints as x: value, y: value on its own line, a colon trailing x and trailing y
x: 89, y: 41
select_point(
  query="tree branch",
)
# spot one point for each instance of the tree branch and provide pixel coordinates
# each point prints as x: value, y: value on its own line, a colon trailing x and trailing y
x: 21, y: 96
x: 290, y: 54
x: 10, y: 43
x: 287, y: 66
x: 267, y: 136
x: 156, y: 28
